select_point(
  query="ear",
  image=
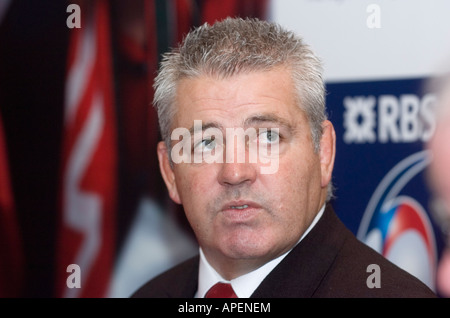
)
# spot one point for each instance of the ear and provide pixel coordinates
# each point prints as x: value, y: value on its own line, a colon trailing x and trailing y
x: 327, y: 152
x: 167, y: 172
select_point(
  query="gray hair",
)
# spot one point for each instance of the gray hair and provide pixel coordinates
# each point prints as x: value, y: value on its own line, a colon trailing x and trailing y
x: 235, y: 46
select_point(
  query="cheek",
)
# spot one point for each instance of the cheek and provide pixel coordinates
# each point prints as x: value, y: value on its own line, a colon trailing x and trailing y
x: 196, y: 189
x: 294, y: 186
x: 191, y: 182
x: 298, y: 187
x: 300, y: 172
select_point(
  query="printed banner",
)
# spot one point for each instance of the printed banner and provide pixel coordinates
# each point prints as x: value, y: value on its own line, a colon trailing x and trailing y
x: 381, y: 166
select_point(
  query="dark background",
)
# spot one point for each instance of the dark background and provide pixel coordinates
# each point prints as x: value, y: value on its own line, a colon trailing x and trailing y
x: 34, y: 42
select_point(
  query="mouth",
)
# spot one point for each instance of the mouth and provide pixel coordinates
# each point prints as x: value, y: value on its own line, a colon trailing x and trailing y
x: 239, y: 207
x: 240, y: 211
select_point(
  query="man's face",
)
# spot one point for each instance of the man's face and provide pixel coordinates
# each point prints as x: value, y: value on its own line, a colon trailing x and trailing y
x: 237, y: 212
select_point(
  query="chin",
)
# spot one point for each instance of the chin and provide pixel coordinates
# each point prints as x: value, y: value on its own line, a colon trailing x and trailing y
x: 247, y: 247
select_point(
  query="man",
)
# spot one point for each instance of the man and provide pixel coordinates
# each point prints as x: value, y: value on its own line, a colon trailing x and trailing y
x: 439, y: 178
x: 264, y: 226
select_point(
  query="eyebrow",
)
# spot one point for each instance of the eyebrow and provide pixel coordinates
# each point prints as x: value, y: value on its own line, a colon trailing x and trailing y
x: 212, y: 124
x: 258, y: 119
x: 267, y: 118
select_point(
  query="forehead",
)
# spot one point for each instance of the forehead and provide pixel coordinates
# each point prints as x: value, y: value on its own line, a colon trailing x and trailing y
x: 237, y: 97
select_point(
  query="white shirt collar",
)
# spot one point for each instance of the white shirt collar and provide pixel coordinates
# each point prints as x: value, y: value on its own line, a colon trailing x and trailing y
x: 244, y: 285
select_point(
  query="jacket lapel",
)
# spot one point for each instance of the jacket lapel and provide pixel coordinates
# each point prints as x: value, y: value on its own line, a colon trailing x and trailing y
x: 184, y: 280
x: 302, y: 270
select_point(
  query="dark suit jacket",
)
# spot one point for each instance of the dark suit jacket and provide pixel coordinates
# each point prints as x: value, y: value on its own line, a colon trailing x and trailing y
x: 329, y: 262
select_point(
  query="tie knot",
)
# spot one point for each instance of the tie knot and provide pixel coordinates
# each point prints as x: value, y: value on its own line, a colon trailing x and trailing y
x: 221, y: 290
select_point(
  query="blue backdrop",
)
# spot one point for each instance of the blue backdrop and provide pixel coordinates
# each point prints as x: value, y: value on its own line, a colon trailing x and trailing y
x: 381, y: 131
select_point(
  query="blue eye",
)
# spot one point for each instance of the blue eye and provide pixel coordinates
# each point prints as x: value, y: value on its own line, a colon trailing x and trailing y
x: 269, y: 136
x: 206, y: 145
x: 209, y: 144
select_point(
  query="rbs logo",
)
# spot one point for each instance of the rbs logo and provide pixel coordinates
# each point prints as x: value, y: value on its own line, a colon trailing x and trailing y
x: 407, y: 118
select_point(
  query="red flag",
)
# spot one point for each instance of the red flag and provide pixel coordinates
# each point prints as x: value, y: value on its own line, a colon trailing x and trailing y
x: 11, y: 257
x: 214, y: 10
x: 184, y: 16
x: 89, y: 159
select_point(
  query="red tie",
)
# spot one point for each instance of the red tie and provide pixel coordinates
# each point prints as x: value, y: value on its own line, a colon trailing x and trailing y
x: 221, y: 290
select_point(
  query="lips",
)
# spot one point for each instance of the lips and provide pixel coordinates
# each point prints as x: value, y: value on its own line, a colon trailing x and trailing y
x: 240, y: 205
x: 240, y: 211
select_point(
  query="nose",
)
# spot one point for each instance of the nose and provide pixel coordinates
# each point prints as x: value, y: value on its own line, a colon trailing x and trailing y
x: 237, y: 170
x: 239, y: 165
x: 237, y: 173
